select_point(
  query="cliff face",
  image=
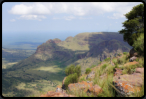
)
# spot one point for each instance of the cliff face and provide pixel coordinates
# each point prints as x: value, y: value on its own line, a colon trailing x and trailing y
x: 93, y: 47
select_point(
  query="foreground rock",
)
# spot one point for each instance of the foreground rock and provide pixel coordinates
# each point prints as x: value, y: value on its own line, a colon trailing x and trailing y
x: 128, y: 84
x: 84, y: 86
x: 56, y: 94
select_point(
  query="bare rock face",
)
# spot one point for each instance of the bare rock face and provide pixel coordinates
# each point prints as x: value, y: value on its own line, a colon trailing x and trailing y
x: 85, y: 86
x: 95, y: 89
x: 129, y: 83
x: 133, y: 53
x: 91, y: 75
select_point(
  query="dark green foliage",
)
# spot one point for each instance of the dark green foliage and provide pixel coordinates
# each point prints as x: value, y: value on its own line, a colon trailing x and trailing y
x: 88, y: 70
x: 139, y: 44
x: 107, y: 59
x: 72, y: 78
x: 134, y: 25
x: 73, y: 69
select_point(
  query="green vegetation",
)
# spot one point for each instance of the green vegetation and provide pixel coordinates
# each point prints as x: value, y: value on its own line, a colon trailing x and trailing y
x: 107, y: 59
x: 92, y: 66
x: 139, y: 44
x: 73, y: 73
x: 73, y: 69
x: 125, y: 53
x: 72, y: 78
x: 134, y: 25
x: 88, y: 70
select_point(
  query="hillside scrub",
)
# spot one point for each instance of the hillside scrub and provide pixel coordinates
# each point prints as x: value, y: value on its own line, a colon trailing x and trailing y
x: 73, y: 69
x: 72, y: 78
x: 139, y: 44
x: 88, y: 70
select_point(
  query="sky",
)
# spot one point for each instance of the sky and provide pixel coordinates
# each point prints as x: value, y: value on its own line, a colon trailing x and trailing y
x: 34, y: 20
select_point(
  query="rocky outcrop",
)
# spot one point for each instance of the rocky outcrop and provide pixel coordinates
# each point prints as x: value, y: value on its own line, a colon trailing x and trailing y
x: 85, y: 86
x: 139, y: 70
x: 95, y: 89
x: 56, y: 94
x: 129, y: 83
x: 132, y: 59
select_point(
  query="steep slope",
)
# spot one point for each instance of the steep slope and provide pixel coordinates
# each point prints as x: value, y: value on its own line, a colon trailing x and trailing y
x: 99, y: 52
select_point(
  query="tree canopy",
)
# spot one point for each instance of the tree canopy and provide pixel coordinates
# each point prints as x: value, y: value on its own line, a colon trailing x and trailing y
x: 134, y: 25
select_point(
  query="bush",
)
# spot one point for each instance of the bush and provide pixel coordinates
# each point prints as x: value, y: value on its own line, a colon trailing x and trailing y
x: 72, y: 78
x: 139, y: 44
x: 124, y: 53
x: 88, y: 70
x: 107, y: 59
x: 103, y: 66
x: 73, y: 69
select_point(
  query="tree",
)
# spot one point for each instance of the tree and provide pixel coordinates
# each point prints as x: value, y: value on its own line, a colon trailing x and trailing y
x: 139, y: 44
x: 134, y: 25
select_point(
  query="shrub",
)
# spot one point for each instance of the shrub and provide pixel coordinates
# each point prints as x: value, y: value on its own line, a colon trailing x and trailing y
x: 139, y: 44
x: 124, y: 53
x: 107, y: 59
x: 103, y: 66
x: 70, y: 69
x: 73, y: 69
x: 72, y: 78
x: 88, y: 70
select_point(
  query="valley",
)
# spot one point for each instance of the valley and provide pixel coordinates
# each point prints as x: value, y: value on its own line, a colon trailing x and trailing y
x: 44, y: 69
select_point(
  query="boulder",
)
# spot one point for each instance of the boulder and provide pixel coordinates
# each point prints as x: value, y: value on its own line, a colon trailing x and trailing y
x: 95, y: 89
x: 79, y: 86
x: 84, y: 86
x: 133, y: 53
x: 132, y: 59
x: 91, y: 75
x: 128, y: 84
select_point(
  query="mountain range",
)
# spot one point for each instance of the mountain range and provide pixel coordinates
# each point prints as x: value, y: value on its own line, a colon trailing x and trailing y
x: 52, y: 57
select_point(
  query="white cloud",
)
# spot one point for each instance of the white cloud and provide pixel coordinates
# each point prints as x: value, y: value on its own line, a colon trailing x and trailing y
x: 32, y: 17
x: 74, y: 8
x: 13, y: 20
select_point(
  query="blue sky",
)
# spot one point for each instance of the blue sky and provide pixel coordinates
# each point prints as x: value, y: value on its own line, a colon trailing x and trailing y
x: 41, y: 19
